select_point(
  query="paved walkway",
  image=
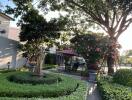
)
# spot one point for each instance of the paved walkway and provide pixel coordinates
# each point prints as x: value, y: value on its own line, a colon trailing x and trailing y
x: 93, y: 93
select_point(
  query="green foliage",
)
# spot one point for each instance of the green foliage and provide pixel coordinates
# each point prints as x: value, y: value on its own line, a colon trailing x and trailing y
x: 29, y: 78
x: 79, y: 94
x: 110, y: 15
x: 128, y: 53
x: 36, y: 32
x: 50, y: 59
x: 21, y: 7
x: 90, y: 46
x: 126, y: 57
x: 123, y: 77
x: 7, y: 70
x: 113, y: 91
x: 101, y: 12
x: 84, y: 73
x: 65, y: 87
x: 129, y: 60
x: 49, y: 66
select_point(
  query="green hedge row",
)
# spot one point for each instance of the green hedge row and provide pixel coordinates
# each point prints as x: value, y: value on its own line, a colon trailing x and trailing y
x: 49, y: 66
x: 123, y: 77
x: 113, y: 91
x: 11, y: 89
x: 69, y: 87
x: 79, y: 94
x: 7, y: 70
x: 29, y: 78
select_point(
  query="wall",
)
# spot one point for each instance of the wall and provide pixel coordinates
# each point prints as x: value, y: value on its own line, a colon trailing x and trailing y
x: 4, y: 24
x: 9, y: 53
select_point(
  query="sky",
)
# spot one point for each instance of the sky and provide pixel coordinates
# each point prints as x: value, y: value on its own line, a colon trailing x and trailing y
x: 125, y: 39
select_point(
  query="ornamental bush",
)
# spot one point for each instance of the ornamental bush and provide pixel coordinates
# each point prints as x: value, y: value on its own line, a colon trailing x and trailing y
x: 123, y: 77
x: 113, y: 91
x: 15, y: 90
x: 7, y: 70
x: 29, y: 78
x: 79, y: 94
x: 49, y: 66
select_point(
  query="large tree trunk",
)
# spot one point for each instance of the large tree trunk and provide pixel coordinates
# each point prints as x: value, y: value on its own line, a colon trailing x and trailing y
x: 110, y: 64
x: 39, y: 65
x: 111, y: 55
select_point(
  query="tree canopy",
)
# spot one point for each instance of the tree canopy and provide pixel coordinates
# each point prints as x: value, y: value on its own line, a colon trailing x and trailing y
x: 36, y: 32
x: 91, y: 46
x: 113, y: 16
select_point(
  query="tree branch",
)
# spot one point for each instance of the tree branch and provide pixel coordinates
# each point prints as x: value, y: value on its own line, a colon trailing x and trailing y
x: 94, y: 16
x: 124, y: 27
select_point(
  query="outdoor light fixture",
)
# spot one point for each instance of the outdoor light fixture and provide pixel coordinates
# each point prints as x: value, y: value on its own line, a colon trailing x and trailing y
x: 2, y: 31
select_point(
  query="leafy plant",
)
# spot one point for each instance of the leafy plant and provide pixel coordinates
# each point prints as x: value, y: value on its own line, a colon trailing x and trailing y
x: 29, y: 78
x: 12, y: 89
x: 92, y: 46
x: 113, y: 91
x: 123, y: 77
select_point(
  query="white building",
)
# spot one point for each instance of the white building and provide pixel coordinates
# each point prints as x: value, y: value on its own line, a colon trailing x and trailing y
x: 8, y: 44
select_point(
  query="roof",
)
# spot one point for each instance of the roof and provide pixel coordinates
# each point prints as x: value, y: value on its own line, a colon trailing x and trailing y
x: 6, y: 16
x: 69, y: 52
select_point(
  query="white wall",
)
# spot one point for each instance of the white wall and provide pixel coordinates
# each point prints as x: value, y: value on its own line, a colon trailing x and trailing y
x: 4, y: 24
x: 9, y: 53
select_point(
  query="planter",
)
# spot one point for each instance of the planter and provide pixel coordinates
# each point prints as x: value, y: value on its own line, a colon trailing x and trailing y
x: 93, y: 66
x: 92, y: 75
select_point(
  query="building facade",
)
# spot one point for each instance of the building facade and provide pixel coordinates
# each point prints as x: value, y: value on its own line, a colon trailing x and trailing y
x: 9, y: 40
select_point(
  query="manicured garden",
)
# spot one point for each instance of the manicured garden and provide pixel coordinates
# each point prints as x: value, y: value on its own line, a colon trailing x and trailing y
x: 116, y: 87
x: 22, y: 86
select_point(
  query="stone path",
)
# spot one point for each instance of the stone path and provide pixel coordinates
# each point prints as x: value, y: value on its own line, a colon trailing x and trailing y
x: 93, y: 93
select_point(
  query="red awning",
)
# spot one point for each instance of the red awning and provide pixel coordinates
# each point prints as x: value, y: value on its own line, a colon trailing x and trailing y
x: 69, y: 52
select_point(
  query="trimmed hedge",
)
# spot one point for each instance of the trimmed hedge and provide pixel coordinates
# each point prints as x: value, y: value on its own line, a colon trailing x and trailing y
x: 123, y: 77
x: 29, y: 78
x: 79, y: 94
x: 7, y: 70
x: 66, y: 87
x: 49, y: 66
x: 113, y: 91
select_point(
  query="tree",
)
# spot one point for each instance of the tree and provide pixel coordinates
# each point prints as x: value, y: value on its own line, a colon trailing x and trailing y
x: 113, y: 16
x: 126, y: 57
x: 92, y: 47
x: 36, y: 32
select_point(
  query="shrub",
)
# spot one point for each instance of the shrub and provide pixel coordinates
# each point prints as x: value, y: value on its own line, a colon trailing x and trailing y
x: 84, y: 73
x: 123, y: 77
x: 50, y: 59
x: 49, y: 66
x: 113, y: 91
x: 11, y: 89
x: 79, y: 94
x: 7, y: 70
x: 29, y: 78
